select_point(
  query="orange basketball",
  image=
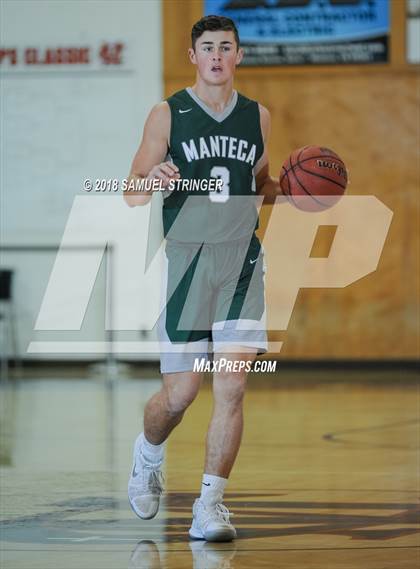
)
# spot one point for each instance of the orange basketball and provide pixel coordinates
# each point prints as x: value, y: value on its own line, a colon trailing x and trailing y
x: 313, y: 178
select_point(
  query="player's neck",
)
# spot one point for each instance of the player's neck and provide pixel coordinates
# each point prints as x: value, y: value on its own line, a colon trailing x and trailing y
x: 217, y: 97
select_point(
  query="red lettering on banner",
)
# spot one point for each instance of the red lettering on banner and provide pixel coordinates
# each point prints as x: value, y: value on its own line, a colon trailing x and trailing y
x: 108, y: 54
x: 58, y: 56
x: 31, y: 56
x: 51, y: 57
x: 111, y: 54
x: 10, y: 54
x: 83, y: 55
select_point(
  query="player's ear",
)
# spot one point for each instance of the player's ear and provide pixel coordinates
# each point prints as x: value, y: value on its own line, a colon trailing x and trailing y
x: 239, y: 56
x: 191, y: 55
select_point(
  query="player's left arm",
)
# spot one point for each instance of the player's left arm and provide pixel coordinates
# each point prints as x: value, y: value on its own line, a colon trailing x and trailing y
x: 266, y: 185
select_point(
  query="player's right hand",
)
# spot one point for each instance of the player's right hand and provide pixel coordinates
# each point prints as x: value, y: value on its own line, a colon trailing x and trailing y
x: 165, y: 171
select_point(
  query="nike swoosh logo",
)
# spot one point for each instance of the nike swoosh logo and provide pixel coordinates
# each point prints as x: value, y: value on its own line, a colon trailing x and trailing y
x: 251, y: 262
x: 186, y: 111
x: 206, y: 484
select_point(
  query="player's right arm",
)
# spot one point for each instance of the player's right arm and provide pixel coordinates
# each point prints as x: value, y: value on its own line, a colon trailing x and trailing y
x: 149, y: 160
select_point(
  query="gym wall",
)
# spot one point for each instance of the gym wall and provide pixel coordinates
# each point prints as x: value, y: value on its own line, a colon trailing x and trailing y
x: 62, y: 124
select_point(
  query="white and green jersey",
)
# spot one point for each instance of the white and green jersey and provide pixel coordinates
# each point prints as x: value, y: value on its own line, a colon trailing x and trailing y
x: 206, y: 145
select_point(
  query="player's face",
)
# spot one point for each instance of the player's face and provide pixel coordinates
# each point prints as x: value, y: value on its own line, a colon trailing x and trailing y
x: 216, y: 56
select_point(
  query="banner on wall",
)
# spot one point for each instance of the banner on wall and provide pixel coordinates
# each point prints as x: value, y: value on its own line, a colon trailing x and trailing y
x: 300, y: 32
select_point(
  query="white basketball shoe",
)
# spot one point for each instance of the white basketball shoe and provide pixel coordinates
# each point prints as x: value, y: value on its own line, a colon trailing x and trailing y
x: 211, y: 523
x: 145, y: 485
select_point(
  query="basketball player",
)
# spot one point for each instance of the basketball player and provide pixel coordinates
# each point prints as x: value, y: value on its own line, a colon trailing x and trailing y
x: 213, y: 257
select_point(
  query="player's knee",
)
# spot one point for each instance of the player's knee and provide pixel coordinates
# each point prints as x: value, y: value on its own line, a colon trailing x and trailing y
x: 179, y: 399
x: 229, y: 389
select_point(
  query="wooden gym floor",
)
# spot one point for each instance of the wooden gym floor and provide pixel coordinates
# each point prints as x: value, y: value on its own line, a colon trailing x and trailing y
x: 327, y: 475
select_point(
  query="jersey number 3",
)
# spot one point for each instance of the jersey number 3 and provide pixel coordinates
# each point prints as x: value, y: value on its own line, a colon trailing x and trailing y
x: 220, y: 173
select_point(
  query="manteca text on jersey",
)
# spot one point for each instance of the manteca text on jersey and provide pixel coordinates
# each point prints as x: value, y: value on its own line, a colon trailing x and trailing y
x: 219, y: 147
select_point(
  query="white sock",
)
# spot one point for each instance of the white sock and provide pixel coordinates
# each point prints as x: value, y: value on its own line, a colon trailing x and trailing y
x: 212, y: 489
x: 152, y: 453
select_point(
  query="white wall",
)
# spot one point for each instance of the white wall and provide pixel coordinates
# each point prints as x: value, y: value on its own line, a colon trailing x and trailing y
x: 61, y: 124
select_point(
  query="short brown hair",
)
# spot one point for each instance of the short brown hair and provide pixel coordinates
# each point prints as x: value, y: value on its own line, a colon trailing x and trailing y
x: 213, y: 24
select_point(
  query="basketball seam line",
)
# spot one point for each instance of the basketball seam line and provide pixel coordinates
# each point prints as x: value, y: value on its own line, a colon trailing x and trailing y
x: 321, y: 176
x: 300, y: 183
x: 288, y: 182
